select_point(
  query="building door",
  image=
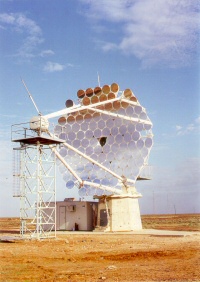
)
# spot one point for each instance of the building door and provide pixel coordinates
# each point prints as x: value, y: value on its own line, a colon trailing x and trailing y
x: 62, y: 218
x: 103, y: 217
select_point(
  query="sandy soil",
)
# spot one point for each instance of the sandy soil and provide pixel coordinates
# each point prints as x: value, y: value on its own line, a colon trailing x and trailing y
x: 107, y: 256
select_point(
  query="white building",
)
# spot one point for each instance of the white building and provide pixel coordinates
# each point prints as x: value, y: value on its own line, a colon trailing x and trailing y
x: 111, y: 213
x: 75, y: 215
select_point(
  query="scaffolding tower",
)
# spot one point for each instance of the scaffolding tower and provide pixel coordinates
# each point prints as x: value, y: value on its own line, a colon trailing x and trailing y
x: 34, y: 175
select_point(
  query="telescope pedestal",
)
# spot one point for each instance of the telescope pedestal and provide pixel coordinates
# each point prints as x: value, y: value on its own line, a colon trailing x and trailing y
x: 119, y: 213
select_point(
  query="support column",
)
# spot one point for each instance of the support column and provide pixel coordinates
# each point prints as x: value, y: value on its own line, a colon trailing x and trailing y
x: 124, y: 213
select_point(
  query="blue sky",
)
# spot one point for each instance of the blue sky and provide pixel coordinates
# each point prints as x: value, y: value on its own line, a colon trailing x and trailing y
x: 150, y: 46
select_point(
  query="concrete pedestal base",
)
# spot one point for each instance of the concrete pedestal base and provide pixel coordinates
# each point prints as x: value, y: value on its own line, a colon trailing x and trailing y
x: 122, y: 213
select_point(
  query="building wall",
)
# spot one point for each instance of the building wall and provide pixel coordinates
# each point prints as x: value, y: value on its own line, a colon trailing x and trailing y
x: 71, y: 215
x: 125, y: 214
x: 119, y: 214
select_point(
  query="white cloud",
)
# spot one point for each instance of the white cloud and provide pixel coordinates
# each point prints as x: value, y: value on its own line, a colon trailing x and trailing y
x: 70, y: 65
x: 7, y: 18
x: 197, y: 120
x: 53, y: 67
x: 190, y: 128
x: 18, y: 22
x: 178, y: 127
x: 158, y: 32
x: 46, y: 53
x: 108, y: 46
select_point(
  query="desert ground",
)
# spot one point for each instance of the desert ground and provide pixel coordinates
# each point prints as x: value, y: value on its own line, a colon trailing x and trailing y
x: 89, y: 256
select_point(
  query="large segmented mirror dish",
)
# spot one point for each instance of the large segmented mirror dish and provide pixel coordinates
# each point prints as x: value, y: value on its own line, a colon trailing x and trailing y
x: 113, y: 130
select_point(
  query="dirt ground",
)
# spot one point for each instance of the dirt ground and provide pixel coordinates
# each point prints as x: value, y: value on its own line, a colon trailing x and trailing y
x: 74, y: 256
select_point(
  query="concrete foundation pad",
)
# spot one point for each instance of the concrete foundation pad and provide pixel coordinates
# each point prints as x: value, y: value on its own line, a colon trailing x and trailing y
x: 151, y: 232
x: 147, y: 232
